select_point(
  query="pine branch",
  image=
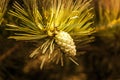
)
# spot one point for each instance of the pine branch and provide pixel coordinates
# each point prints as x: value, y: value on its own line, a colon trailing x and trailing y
x: 55, y: 21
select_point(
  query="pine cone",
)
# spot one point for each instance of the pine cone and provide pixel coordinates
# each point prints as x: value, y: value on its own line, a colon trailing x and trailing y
x: 66, y: 43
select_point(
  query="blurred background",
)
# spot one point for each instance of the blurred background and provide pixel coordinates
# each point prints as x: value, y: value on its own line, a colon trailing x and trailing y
x: 100, y: 62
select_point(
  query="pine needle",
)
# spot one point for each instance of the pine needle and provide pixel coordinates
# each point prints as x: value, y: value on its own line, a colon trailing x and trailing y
x: 73, y: 61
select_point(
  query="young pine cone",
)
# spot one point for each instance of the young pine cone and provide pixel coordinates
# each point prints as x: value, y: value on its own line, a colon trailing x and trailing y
x: 66, y: 43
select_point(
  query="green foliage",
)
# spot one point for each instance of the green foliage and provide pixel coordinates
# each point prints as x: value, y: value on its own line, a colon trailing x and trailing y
x: 3, y: 7
x: 108, y: 27
x: 109, y: 11
x: 45, y: 22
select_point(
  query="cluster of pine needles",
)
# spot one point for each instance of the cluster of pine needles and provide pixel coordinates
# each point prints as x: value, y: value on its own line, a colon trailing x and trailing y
x: 56, y: 26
